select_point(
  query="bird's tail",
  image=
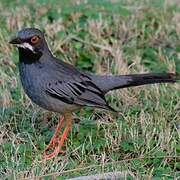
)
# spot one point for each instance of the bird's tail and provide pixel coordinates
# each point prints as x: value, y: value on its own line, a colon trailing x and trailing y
x: 107, y: 83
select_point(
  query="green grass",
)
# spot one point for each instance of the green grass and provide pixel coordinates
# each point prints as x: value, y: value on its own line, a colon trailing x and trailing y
x: 117, y: 37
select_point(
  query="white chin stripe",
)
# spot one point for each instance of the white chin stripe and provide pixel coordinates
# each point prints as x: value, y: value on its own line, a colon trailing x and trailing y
x: 26, y: 46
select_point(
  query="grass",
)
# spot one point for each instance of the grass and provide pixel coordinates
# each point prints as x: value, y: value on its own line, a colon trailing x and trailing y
x: 105, y: 37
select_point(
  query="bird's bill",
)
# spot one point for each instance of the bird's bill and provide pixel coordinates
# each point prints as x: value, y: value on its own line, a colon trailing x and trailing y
x: 20, y: 44
x: 15, y: 40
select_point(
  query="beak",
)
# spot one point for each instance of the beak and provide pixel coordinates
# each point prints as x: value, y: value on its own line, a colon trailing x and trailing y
x: 15, y: 40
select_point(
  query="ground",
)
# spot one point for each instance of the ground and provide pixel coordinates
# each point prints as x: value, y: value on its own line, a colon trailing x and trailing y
x: 104, y: 37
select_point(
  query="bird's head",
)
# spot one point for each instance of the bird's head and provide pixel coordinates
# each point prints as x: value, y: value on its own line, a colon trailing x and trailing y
x: 30, y: 39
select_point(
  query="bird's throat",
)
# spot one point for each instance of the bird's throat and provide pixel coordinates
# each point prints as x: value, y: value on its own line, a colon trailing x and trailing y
x: 28, y: 57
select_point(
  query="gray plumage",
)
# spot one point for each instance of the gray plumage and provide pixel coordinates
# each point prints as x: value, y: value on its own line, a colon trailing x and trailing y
x: 60, y: 87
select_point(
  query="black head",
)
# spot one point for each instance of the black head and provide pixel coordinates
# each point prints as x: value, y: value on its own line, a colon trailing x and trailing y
x: 31, y: 40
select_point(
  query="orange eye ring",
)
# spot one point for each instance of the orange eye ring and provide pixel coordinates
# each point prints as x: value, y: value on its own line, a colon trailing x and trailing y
x: 34, y: 39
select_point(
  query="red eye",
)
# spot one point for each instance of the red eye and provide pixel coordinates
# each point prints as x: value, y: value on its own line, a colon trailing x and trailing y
x: 34, y: 39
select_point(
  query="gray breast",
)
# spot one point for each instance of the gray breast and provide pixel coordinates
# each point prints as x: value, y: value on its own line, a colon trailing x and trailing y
x: 32, y: 83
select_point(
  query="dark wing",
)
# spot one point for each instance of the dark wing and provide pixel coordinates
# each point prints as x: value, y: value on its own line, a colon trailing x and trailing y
x: 81, y: 91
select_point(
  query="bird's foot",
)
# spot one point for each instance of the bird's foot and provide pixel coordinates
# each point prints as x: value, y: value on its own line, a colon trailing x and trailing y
x: 55, y: 140
x: 52, y: 154
x: 58, y: 148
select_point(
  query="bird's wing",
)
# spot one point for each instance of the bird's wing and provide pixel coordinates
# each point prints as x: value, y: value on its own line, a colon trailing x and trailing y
x: 81, y: 91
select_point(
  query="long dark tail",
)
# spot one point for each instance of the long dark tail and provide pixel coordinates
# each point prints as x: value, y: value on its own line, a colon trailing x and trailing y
x: 107, y: 83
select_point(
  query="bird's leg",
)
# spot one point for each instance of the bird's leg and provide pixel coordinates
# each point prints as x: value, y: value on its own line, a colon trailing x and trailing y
x: 61, y: 140
x: 55, y: 135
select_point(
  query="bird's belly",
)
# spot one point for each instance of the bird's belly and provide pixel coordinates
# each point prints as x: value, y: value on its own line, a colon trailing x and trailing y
x: 56, y: 105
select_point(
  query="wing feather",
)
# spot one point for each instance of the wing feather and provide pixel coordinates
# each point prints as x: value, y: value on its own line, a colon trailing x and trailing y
x: 77, y: 92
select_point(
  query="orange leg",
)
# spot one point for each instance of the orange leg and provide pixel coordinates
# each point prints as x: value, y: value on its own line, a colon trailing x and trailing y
x: 55, y: 135
x: 61, y: 140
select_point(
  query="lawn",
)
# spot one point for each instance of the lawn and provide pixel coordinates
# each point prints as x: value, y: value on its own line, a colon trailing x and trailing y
x: 105, y: 37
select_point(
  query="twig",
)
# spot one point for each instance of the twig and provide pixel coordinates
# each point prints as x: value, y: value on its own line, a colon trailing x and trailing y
x: 96, y: 166
x: 109, y: 175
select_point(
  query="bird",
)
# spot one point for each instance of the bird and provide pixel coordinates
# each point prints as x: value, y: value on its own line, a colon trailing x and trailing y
x: 60, y: 87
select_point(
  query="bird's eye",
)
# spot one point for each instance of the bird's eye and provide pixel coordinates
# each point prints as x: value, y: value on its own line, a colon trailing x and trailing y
x: 34, y: 39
